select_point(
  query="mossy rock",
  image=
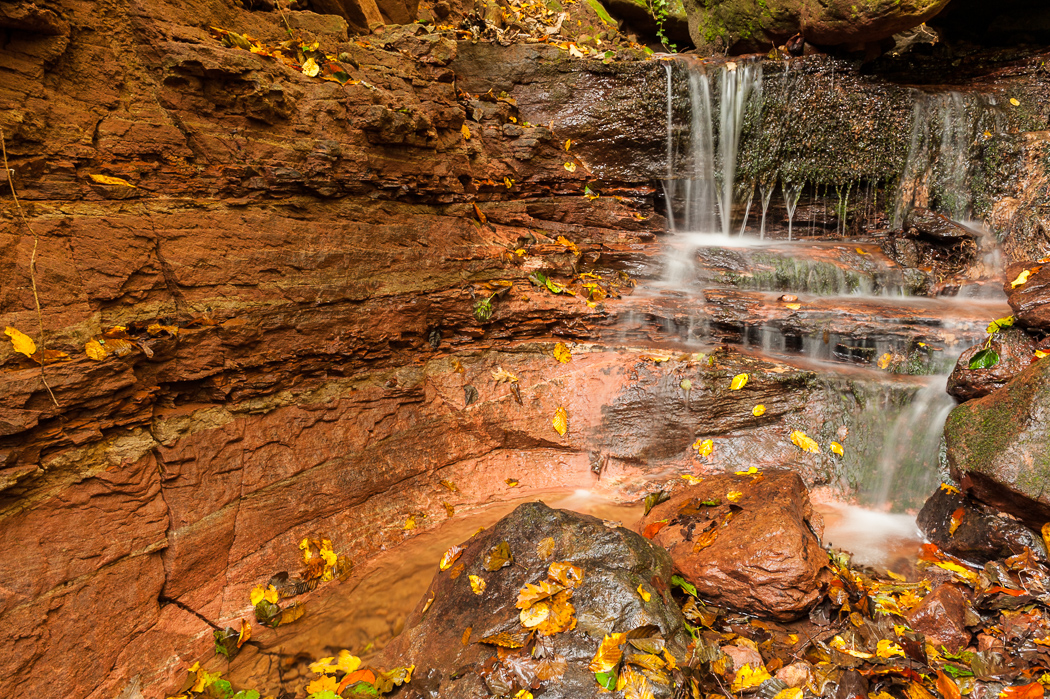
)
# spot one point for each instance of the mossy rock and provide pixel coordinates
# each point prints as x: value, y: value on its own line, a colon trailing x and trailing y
x: 999, y: 446
x: 639, y: 16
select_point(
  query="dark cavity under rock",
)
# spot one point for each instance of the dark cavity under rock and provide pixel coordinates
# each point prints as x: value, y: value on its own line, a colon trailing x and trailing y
x: 615, y: 563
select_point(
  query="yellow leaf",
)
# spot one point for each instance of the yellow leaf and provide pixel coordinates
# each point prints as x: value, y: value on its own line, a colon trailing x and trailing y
x: 704, y: 447
x: 566, y: 573
x: 257, y: 594
x: 836, y: 448
x: 450, y: 510
x: 749, y: 472
x: 609, y: 653
x: 691, y: 479
x: 270, y: 595
x: 22, y: 343
x: 956, y: 520
x: 106, y: 179
x: 643, y: 594
x: 1014, y: 102
x: 964, y: 573
x: 758, y: 410
x: 799, y: 438
x: 793, y: 306
x: 477, y: 584
x: 410, y: 523
x: 562, y: 353
x: 523, y: 694
x: 449, y: 484
x: 568, y: 144
x: 739, y: 381
x: 734, y: 496
x: 545, y: 548
x: 861, y: 252
x: 561, y: 421
x: 508, y: 181
x: 1046, y: 534
x: 789, y: 693
x: 325, y: 683
x: 156, y: 329
x: 534, y: 615
x: 746, y: 677
x: 884, y: 360
x: 512, y: 482
x: 1039, y: 354
x: 450, y: 557
x: 571, y: 167
x: 466, y: 131
x: 348, y: 663
x: 95, y: 350
x: 840, y: 645
x: 324, y: 666
x: 887, y: 649
x: 1021, y: 279
x: 310, y: 68
x: 329, y: 557
x: 246, y: 633
x: 950, y: 489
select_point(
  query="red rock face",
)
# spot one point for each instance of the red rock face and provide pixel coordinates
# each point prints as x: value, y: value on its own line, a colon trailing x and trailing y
x: 745, y: 542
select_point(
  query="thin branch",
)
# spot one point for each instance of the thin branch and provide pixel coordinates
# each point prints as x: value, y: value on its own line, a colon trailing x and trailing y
x: 32, y: 266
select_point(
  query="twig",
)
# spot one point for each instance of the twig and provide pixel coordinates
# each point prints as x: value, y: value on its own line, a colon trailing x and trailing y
x: 32, y: 267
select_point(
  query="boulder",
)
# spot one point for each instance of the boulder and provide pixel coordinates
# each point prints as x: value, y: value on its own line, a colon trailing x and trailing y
x: 742, y: 25
x: 443, y: 635
x: 1031, y: 299
x: 980, y: 534
x: 998, y: 446
x: 746, y: 542
x: 1015, y: 349
x: 941, y: 617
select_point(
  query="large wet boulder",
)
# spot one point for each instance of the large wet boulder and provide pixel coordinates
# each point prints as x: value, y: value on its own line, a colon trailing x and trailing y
x: 746, y: 541
x: 972, y: 531
x: 1030, y: 299
x: 741, y: 25
x: 1015, y: 350
x: 620, y: 584
x: 998, y: 446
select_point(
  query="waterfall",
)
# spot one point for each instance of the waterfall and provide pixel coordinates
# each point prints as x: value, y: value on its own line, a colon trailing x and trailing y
x: 702, y: 179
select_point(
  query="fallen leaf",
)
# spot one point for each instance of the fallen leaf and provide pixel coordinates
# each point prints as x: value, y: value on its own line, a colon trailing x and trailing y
x: 536, y: 592
x: 410, y: 523
x: 1016, y: 103
x: 562, y: 353
x: 803, y: 442
x: 884, y: 360
x: 465, y: 130
x: 325, y: 683
x: 1027, y: 691
x: 245, y: 634
x: 956, y: 520
x: 566, y: 573
x: 646, y: 596
x: 704, y: 447
x: 480, y: 214
x: 840, y: 645
x: 324, y: 666
x: 1045, y: 531
x: 1021, y: 279
x: 571, y: 167
x: 653, y: 499
x: 22, y: 343
x: 789, y: 693
x: 106, y: 179
x: 950, y: 489
x: 984, y: 359
x: 453, y: 553
x: 752, y: 470
x: 545, y: 548
x: 653, y: 528
x: 738, y: 382
x: 477, y: 584
x: 888, y: 649
x: 1000, y: 323
x: 450, y: 510
x: 1039, y: 354
x: 861, y: 252
x: 691, y: 479
x: 947, y: 686
x: 449, y: 484
x: 748, y: 677
x: 568, y: 144
x: 507, y: 639
x: 501, y: 375
x: 734, y: 496
x: 512, y: 482
x: 535, y: 615
x: 609, y: 653
x: 561, y: 421
x: 310, y: 68
x: 793, y: 306
x: 499, y: 556
x: 836, y: 448
x: 758, y: 410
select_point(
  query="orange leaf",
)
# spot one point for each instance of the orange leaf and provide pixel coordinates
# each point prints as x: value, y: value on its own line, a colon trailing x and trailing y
x: 957, y: 518
x: 359, y: 676
x: 654, y: 528
x: 947, y: 687
x: 1027, y: 691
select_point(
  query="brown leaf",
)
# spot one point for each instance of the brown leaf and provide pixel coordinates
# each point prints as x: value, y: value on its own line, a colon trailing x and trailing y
x: 545, y: 548
x: 499, y: 556
x: 609, y: 653
x: 533, y: 593
x: 466, y: 635
x: 653, y: 528
x: 561, y: 617
x: 566, y: 573
x: 480, y: 214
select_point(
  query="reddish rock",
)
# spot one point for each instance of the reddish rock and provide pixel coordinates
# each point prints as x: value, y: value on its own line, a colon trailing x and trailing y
x: 1031, y: 300
x: 764, y: 560
x: 941, y: 617
x: 1016, y: 351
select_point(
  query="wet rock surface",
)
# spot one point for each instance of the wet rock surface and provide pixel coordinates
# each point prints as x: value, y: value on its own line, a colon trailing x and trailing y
x: 746, y: 542
x: 972, y: 531
x: 614, y: 562
x: 997, y: 446
x: 1031, y: 298
x: 941, y: 617
x: 1016, y: 352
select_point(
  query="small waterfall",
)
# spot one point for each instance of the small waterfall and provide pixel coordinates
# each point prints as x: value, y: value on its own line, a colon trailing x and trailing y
x: 702, y: 179
x: 791, y: 197
x: 946, y: 131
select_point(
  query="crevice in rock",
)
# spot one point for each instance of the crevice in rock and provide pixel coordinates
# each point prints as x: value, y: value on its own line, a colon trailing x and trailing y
x: 162, y: 600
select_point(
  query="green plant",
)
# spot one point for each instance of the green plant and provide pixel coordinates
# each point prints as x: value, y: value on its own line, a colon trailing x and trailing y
x: 660, y: 11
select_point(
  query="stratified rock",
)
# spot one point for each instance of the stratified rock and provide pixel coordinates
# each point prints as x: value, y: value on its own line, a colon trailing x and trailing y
x: 764, y: 558
x: 941, y: 617
x: 615, y: 562
x: 998, y: 446
x: 924, y: 222
x: 1015, y: 350
x: 980, y: 536
x: 1030, y: 300
x: 739, y: 25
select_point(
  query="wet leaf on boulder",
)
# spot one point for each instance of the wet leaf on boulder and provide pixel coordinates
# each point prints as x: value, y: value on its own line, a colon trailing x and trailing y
x: 566, y: 574
x: 609, y: 654
x: 470, y: 395
x: 738, y: 382
x: 800, y: 440
x: 465, y: 130
x: 477, y: 584
x: 654, y: 499
x: 22, y: 343
x: 480, y: 215
x: 562, y: 353
x: 704, y: 447
x: 561, y: 421
x: 450, y: 557
x: 758, y: 410
x: 1022, y: 278
x: 545, y: 548
x: 956, y: 520
x: 537, y: 592
x: 836, y: 448
x: 499, y: 556
x: 984, y: 359
x: 1000, y: 323
x: 450, y: 510
x: 106, y: 179
x: 515, y: 638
